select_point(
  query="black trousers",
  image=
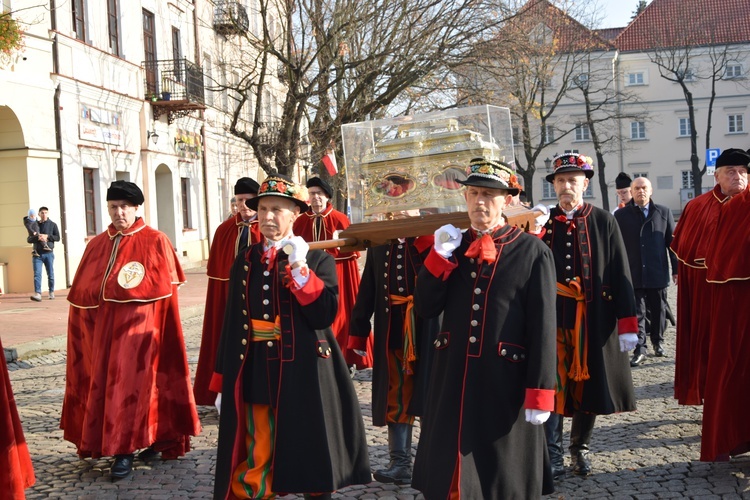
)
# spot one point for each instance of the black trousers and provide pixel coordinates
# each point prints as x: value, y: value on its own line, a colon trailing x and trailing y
x: 651, y: 306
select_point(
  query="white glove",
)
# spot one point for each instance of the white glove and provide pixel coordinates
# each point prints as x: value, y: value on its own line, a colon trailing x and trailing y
x: 628, y: 341
x: 541, y: 219
x: 217, y: 403
x: 537, y: 417
x: 447, y: 239
x: 299, y: 249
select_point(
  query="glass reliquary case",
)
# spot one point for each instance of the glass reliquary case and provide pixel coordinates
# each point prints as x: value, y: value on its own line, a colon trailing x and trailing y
x: 410, y: 165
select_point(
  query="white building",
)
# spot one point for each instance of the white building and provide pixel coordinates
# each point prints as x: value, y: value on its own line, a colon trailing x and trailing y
x: 651, y: 137
x: 116, y: 90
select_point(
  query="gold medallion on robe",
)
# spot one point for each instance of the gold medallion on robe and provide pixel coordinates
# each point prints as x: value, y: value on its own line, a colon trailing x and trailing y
x: 131, y: 275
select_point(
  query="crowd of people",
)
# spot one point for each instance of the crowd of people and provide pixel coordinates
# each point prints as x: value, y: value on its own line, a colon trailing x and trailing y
x: 490, y: 336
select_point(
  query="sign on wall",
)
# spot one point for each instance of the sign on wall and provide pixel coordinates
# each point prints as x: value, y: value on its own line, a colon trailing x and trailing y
x: 100, y: 125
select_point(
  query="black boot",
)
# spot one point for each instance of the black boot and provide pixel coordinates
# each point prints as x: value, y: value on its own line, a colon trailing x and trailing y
x: 580, y: 435
x: 553, y: 431
x: 399, y: 447
x: 322, y: 496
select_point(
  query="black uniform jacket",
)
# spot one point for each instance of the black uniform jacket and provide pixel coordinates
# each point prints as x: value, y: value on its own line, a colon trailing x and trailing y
x: 319, y: 443
x: 647, y: 241
x: 494, y: 357
x: 392, y: 270
x: 590, y: 248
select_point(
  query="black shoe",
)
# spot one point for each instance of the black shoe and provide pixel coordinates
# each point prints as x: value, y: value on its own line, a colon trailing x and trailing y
x: 148, y: 454
x: 558, y: 471
x: 122, y: 466
x: 637, y: 359
x: 581, y: 463
x: 659, y: 351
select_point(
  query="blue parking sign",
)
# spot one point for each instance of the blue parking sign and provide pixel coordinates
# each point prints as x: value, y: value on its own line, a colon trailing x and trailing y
x: 711, y: 155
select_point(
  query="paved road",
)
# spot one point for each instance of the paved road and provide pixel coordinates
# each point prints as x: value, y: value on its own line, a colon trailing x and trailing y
x: 651, y: 453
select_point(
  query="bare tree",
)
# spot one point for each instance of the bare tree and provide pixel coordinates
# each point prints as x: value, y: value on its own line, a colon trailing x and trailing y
x: 329, y: 63
x: 530, y: 66
x: 596, y: 89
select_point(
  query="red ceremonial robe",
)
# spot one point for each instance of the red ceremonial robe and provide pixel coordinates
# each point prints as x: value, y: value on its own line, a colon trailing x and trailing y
x: 220, y: 259
x: 347, y: 271
x: 16, y: 473
x: 127, y: 379
x: 692, y: 238
x: 726, y: 406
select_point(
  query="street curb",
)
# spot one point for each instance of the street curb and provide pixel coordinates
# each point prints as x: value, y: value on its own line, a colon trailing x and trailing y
x: 59, y: 342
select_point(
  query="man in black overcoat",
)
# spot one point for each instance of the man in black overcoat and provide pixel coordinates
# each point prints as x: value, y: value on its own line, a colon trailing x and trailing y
x: 596, y: 316
x: 647, y: 230
x: 291, y: 421
x: 491, y: 382
x: 402, y: 345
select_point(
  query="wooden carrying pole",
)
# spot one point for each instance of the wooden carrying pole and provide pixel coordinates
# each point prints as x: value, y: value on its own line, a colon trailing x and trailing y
x: 369, y: 234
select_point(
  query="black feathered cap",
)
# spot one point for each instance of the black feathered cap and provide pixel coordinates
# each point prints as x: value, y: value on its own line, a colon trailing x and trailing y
x: 283, y: 186
x: 124, y: 190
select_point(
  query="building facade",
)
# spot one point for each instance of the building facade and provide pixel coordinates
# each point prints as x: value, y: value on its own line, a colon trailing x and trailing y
x: 117, y: 90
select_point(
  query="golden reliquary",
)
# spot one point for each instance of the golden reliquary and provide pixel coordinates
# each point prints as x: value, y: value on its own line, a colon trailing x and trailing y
x: 410, y: 165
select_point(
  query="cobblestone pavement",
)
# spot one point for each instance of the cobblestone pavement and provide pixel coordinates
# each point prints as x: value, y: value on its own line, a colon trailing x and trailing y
x: 650, y: 453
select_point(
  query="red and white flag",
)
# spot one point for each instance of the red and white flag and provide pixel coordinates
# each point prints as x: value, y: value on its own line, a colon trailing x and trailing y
x: 329, y: 160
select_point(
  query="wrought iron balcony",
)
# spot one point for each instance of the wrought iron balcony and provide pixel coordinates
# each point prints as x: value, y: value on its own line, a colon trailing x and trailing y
x: 174, y: 87
x: 230, y: 18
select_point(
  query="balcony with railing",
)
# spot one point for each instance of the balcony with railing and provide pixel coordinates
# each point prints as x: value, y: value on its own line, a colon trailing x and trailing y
x: 174, y: 87
x: 230, y: 18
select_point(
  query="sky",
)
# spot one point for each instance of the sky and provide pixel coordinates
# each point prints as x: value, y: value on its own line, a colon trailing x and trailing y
x: 616, y: 13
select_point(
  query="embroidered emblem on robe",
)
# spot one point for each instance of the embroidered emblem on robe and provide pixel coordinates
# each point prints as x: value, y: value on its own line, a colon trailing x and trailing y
x: 131, y: 275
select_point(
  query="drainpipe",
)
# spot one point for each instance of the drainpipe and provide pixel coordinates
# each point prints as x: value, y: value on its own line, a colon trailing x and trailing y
x: 204, y: 162
x: 58, y: 145
x: 616, y: 75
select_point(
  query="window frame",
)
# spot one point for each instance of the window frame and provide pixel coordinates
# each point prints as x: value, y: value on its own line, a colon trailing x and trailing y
x: 688, y: 130
x: 113, y: 26
x: 582, y: 132
x: 78, y: 11
x: 738, y: 125
x: 638, y: 131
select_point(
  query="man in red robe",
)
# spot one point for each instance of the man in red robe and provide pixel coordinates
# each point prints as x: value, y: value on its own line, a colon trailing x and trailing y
x: 16, y: 472
x: 127, y: 379
x: 322, y: 222
x: 232, y: 236
x: 693, y: 236
x: 725, y: 409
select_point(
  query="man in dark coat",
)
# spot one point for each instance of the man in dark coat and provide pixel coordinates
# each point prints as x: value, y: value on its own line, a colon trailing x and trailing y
x: 402, y: 342
x: 492, y: 378
x: 232, y: 236
x: 292, y: 422
x: 322, y: 222
x: 647, y: 232
x: 596, y: 314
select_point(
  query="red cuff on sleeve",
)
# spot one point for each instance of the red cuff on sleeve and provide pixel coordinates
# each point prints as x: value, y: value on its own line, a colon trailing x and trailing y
x: 357, y: 343
x: 217, y: 379
x: 439, y: 266
x: 310, y: 292
x: 627, y: 325
x: 422, y: 243
x: 540, y: 399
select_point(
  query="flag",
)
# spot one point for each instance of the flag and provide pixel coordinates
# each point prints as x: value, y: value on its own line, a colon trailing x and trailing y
x: 329, y: 160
